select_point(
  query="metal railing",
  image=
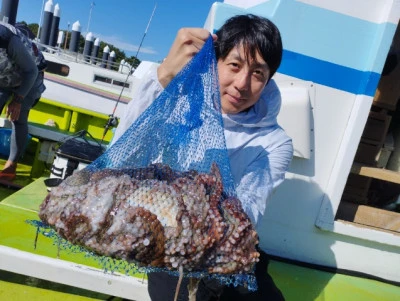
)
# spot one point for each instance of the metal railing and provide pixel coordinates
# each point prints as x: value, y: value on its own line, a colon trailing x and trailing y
x: 71, y: 56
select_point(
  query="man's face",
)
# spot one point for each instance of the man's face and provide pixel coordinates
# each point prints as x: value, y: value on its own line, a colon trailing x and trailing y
x: 241, y: 80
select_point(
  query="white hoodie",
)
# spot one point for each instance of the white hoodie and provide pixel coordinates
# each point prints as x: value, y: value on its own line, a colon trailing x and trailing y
x: 259, y: 150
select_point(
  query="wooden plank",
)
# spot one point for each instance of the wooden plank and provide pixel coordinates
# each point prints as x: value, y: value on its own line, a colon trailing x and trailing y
x: 376, y: 127
x: 354, y: 198
x: 388, y: 91
x: 356, y: 189
x: 373, y: 138
x: 369, y: 216
x: 367, y: 153
x: 378, y: 218
x: 376, y: 173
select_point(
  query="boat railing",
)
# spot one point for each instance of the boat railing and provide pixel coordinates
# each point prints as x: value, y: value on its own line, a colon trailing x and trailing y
x: 71, y: 56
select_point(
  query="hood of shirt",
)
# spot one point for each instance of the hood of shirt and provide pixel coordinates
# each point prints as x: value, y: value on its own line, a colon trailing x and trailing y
x: 263, y: 114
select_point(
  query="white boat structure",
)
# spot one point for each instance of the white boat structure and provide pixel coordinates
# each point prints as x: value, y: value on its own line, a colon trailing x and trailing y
x: 324, y: 244
x: 79, y: 77
x: 88, y: 84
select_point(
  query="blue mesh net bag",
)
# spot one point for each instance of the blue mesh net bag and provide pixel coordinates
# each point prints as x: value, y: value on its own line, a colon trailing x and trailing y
x: 162, y: 196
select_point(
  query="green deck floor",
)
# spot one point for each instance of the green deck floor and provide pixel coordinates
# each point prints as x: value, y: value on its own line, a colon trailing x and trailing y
x: 23, y: 170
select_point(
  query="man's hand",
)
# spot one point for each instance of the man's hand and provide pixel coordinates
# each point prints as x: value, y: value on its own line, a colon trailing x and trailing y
x: 14, y: 108
x: 187, y: 43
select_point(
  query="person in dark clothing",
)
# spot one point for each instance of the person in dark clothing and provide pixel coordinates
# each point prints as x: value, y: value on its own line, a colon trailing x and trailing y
x: 21, y: 85
x: 162, y: 286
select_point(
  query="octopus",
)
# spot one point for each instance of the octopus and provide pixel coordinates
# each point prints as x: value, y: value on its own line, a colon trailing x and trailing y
x: 155, y: 217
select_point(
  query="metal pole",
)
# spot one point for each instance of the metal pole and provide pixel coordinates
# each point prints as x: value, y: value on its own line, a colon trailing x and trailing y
x: 112, y: 120
x: 145, y: 32
x: 40, y: 21
x: 66, y: 37
x: 90, y: 16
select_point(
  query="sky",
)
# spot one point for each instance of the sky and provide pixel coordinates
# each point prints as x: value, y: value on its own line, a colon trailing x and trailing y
x: 123, y: 23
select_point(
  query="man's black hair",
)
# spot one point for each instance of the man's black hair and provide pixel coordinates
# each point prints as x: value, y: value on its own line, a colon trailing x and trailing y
x: 255, y: 34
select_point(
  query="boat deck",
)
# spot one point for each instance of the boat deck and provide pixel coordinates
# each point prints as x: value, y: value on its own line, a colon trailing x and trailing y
x: 37, y: 269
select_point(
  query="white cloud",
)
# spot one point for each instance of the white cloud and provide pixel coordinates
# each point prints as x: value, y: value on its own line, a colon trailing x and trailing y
x: 127, y: 47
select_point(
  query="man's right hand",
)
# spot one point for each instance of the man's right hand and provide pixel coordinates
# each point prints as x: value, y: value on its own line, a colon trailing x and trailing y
x: 187, y: 44
x: 13, y: 109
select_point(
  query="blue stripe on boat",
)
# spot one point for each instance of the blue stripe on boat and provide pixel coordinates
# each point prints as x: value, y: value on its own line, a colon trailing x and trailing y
x: 329, y: 74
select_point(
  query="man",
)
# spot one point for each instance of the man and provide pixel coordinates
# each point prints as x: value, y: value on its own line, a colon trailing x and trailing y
x: 21, y: 80
x: 249, y: 51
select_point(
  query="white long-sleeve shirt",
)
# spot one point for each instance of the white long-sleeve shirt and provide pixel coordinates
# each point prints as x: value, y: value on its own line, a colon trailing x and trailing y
x: 259, y: 150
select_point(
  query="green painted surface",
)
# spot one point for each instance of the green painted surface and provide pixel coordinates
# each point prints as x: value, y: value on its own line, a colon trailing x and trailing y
x: 299, y: 283
x: 29, y: 197
x: 69, y: 118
